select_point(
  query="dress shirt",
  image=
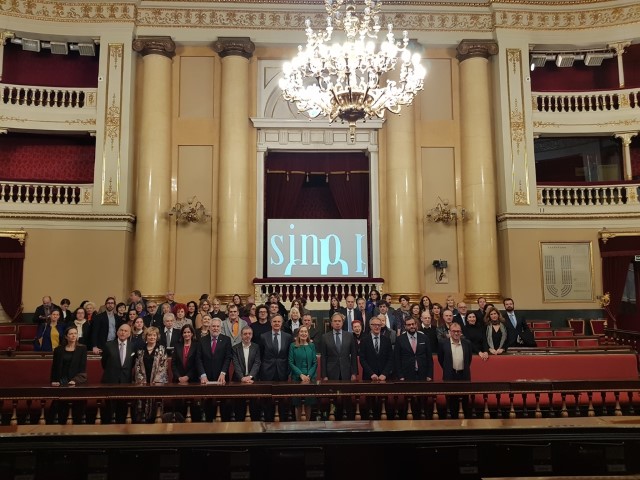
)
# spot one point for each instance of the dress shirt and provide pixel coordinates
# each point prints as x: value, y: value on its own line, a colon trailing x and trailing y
x: 123, y: 351
x: 512, y: 317
x: 167, y: 333
x: 245, y: 350
x: 350, y: 317
x: 376, y: 343
x: 457, y: 355
x: 338, y: 334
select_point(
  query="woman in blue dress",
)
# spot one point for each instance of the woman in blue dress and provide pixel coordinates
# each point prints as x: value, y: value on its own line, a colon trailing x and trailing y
x: 303, y: 364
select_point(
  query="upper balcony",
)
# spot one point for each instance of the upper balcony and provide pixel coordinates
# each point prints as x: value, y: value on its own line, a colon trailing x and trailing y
x: 580, y: 112
x: 48, y: 108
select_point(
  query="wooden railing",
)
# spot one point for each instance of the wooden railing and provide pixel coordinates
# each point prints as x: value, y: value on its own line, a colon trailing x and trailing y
x: 624, y: 337
x: 48, y: 97
x: 601, y: 101
x: 588, y: 195
x: 336, y: 401
x: 45, y: 193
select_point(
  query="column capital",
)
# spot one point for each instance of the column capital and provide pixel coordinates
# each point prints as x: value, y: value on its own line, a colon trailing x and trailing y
x: 5, y: 35
x: 626, y: 137
x: 619, y: 47
x: 164, y: 46
x: 228, y: 46
x: 476, y: 48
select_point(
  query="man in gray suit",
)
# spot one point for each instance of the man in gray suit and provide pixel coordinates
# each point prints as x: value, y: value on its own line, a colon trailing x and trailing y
x: 246, y: 367
x: 339, y: 355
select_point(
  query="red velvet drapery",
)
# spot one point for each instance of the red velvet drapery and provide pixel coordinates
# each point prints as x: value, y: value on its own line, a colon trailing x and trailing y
x: 617, y: 253
x: 340, y: 180
x: 11, y: 270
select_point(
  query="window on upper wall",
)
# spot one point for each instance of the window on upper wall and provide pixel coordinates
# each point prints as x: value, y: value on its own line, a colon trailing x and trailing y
x: 578, y: 159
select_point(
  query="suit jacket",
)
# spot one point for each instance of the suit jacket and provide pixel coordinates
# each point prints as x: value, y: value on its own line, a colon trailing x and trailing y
x: 303, y: 361
x: 432, y: 337
x: 159, y: 368
x: 405, y: 359
x: 100, y: 329
x: 445, y: 358
x: 114, y: 372
x: 458, y: 319
x: 372, y: 362
x: 212, y: 365
x: 77, y: 370
x: 39, y: 313
x: 155, y: 320
x: 514, y: 332
x: 275, y: 364
x: 227, y: 329
x: 175, y: 338
x: 240, y: 366
x: 339, y: 365
x: 178, y: 367
x: 357, y: 315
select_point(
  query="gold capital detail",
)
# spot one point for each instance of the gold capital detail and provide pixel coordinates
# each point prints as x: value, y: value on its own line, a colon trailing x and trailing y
x: 113, y: 121
x: 227, y: 46
x: 476, y: 48
x: 154, y: 46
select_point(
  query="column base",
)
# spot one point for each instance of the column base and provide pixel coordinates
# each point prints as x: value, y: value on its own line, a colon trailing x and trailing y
x: 491, y: 297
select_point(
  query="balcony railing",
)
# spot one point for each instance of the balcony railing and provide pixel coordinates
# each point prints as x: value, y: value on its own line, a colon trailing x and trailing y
x: 13, y: 193
x: 601, y: 101
x: 589, y: 195
x: 48, y: 97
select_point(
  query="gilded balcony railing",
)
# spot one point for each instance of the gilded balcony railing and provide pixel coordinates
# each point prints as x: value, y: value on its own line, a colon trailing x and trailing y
x: 48, y: 97
x: 18, y: 193
x: 614, y: 195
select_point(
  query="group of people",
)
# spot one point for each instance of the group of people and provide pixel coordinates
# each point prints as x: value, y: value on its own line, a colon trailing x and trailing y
x: 271, y: 343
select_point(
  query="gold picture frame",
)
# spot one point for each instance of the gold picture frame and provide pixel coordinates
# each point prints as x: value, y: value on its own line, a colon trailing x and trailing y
x: 567, y: 272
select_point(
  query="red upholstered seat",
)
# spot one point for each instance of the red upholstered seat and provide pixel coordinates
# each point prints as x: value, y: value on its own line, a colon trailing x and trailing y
x: 542, y: 334
x: 587, y: 342
x: 562, y: 342
x: 8, y: 341
x: 577, y: 324
x: 27, y: 331
x: 563, y: 333
x: 8, y: 329
x: 542, y: 342
x: 540, y: 324
x: 598, y: 325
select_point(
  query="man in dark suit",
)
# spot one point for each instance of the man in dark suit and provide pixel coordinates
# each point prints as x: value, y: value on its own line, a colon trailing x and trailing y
x: 104, y: 326
x: 274, y: 345
x: 429, y: 330
x: 315, y: 335
x: 275, y: 352
x: 454, y: 356
x: 246, y: 368
x: 482, y: 307
x: 169, y: 336
x: 461, y: 317
x: 413, y: 358
x: 43, y: 312
x: 339, y: 354
x: 518, y: 333
x: 376, y: 353
x: 118, y: 357
x: 214, y: 355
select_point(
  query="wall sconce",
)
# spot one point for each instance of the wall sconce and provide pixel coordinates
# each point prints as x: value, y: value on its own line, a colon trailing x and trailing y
x: 441, y: 271
x: 191, y: 212
x: 442, y: 212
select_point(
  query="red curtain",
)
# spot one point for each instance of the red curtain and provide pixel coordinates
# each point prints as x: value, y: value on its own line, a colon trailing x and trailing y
x: 617, y: 254
x: 346, y: 175
x: 11, y: 270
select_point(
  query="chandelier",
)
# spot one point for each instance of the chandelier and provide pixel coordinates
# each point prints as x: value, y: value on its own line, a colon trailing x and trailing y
x: 348, y: 80
x: 191, y: 212
x: 442, y: 212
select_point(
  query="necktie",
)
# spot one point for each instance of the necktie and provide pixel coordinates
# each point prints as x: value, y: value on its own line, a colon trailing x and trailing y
x: 349, y: 319
x: 376, y: 345
x: 122, y: 353
x: 276, y: 343
x: 214, y: 344
x: 168, y: 337
x: 413, y: 347
x: 185, y: 354
x: 513, y: 319
x: 338, y: 341
x: 235, y: 329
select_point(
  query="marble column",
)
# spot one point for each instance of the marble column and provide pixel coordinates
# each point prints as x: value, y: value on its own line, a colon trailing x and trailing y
x: 479, y: 190
x: 403, y: 269
x: 626, y: 152
x: 153, y: 172
x: 233, y: 258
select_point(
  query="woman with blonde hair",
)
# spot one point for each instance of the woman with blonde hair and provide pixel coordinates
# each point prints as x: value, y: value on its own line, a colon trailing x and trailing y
x: 150, y: 368
x: 203, y: 309
x: 496, y: 331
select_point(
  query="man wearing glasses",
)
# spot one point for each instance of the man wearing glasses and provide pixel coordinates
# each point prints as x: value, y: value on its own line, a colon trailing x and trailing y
x: 454, y: 355
x: 376, y: 354
x: 153, y: 318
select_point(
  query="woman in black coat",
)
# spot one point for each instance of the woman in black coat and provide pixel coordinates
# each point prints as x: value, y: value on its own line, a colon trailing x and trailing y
x: 183, y: 363
x: 476, y: 334
x: 69, y: 366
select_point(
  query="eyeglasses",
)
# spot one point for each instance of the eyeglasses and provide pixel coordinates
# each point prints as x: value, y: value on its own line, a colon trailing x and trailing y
x: 376, y: 324
x: 455, y: 331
